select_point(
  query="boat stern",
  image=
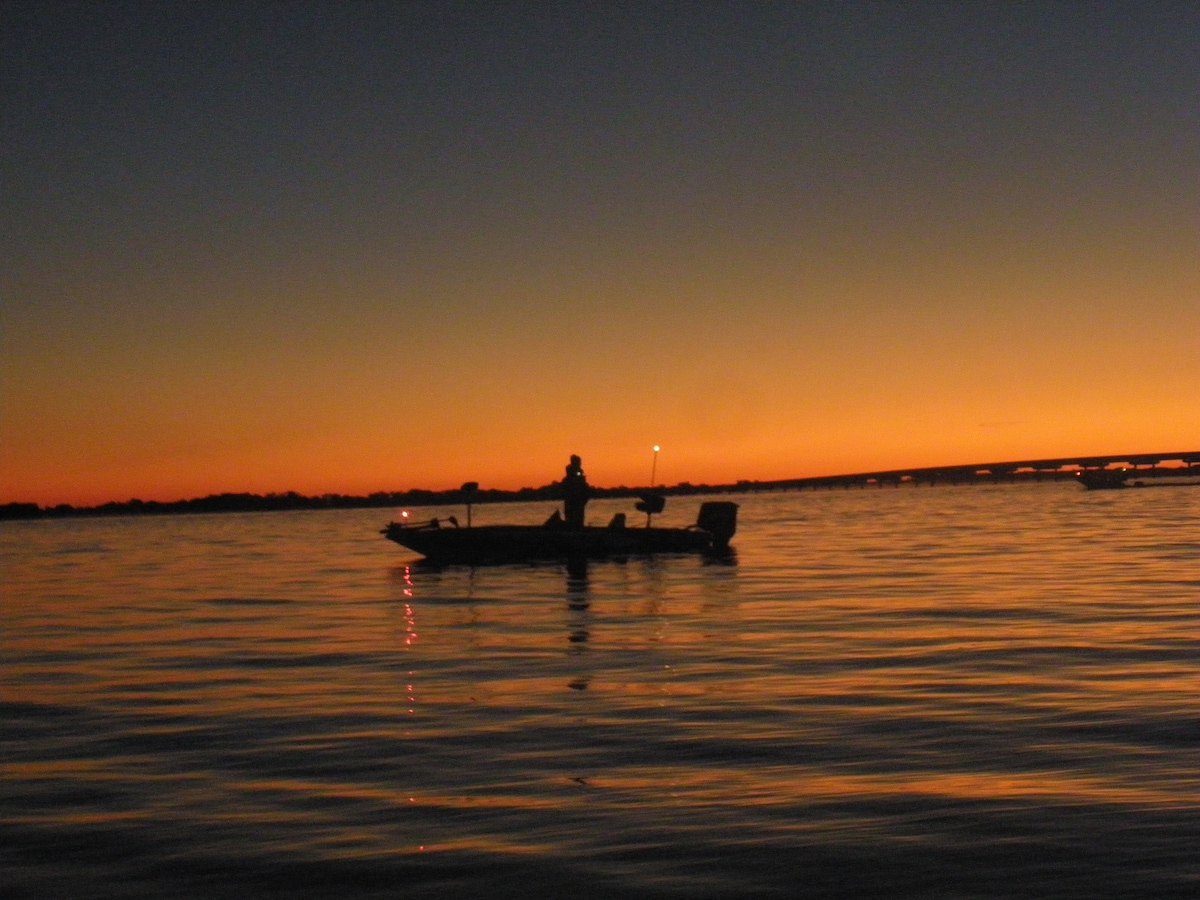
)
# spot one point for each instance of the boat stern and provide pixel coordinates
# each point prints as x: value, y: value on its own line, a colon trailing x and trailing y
x: 718, y: 518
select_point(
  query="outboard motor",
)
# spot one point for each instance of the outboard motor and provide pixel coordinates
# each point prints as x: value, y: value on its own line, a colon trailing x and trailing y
x: 718, y: 518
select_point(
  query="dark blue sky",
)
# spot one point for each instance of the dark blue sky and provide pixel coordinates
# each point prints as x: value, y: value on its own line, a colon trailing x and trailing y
x: 210, y: 122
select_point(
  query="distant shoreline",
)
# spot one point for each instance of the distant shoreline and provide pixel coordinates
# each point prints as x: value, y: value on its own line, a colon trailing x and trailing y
x: 992, y: 473
x: 246, y: 502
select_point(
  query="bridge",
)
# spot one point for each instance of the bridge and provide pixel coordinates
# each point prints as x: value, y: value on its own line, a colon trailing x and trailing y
x: 1143, y: 465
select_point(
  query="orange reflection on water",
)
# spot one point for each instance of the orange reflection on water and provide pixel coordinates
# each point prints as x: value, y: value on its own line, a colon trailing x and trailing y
x: 807, y: 785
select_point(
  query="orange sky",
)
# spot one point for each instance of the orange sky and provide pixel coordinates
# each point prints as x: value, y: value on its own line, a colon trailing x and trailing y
x: 916, y: 251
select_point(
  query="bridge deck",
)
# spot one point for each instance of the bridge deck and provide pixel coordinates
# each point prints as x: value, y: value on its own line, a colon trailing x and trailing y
x: 1149, y: 465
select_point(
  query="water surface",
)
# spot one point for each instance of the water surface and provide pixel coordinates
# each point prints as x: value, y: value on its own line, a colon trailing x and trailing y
x: 972, y: 691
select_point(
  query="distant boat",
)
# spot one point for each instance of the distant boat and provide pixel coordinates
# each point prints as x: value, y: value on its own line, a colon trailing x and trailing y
x: 1102, y: 479
x: 445, y: 542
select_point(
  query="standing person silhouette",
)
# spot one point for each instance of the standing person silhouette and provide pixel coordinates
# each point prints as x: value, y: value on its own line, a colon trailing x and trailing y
x: 575, y: 492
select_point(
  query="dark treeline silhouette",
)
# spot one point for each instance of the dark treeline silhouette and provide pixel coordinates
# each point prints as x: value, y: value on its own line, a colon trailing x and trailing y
x: 291, y: 500
x: 1142, y: 465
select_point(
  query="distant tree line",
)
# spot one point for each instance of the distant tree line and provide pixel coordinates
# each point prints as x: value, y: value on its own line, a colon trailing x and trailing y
x: 470, y: 492
x: 245, y: 502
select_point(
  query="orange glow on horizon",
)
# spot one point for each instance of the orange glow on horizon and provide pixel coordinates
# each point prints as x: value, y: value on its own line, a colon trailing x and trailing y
x: 784, y: 389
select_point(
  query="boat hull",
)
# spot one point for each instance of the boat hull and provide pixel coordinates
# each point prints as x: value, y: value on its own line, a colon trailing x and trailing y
x: 1103, y: 479
x: 516, y: 543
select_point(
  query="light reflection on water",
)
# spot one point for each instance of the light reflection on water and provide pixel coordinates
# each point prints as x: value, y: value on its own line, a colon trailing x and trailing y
x: 912, y: 692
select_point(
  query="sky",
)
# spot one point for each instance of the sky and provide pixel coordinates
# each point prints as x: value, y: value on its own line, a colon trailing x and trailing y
x: 353, y: 247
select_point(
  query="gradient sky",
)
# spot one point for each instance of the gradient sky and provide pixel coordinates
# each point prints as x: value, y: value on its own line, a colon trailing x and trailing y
x: 351, y: 247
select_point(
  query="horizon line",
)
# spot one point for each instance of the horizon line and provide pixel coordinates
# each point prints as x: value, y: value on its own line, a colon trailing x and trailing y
x: 1188, y: 458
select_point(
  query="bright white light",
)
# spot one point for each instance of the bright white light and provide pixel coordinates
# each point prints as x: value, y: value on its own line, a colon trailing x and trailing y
x: 656, y: 448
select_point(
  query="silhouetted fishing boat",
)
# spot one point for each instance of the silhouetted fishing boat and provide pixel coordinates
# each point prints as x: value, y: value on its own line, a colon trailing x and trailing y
x: 443, y: 541
x: 1102, y: 479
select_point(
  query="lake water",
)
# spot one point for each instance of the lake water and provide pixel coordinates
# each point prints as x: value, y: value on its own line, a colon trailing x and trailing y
x: 915, y: 692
